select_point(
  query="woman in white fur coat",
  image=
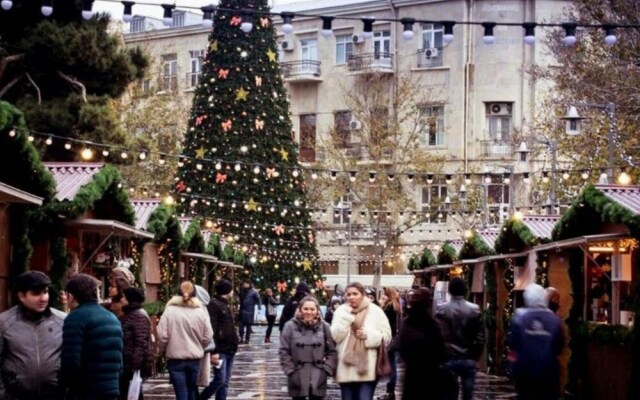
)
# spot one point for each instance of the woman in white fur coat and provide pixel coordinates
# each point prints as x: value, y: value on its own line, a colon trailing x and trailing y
x: 358, y: 327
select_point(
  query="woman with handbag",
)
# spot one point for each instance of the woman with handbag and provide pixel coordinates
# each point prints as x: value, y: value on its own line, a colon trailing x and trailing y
x: 359, y: 328
x: 390, y: 303
x: 307, y: 352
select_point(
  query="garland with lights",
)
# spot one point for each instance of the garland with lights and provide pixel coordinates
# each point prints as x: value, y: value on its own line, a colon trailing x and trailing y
x: 508, y: 309
x: 247, y: 17
x: 490, y: 316
x: 165, y: 226
x: 516, y: 236
x: 193, y: 241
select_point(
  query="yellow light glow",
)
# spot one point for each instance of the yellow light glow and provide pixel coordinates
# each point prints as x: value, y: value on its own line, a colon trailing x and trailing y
x: 518, y: 215
x: 168, y: 200
x: 86, y: 154
x: 468, y: 234
x: 624, y: 178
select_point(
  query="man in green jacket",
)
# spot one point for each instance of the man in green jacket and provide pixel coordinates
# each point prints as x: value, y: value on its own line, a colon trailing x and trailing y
x: 91, y: 360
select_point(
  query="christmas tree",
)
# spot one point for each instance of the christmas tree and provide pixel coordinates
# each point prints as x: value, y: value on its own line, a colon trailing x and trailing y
x: 239, y: 172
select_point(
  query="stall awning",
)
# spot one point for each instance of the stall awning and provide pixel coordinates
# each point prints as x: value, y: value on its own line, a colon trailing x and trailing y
x: 116, y: 228
x: 438, y: 267
x: 395, y: 281
x: 10, y: 194
x: 211, y: 259
x: 580, y: 240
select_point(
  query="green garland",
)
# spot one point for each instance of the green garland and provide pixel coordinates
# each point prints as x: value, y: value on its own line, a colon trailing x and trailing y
x: 193, y: 241
x: 515, y: 236
x: 165, y: 226
x: 427, y: 259
x: 475, y: 247
x: 490, y: 316
x: 447, y: 254
x: 618, y: 335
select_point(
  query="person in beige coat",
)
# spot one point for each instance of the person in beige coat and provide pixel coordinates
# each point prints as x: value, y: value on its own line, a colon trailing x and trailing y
x: 359, y: 327
x: 183, y: 333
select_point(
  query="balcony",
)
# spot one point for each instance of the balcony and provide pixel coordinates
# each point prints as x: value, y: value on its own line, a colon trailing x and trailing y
x: 367, y: 63
x: 496, y: 148
x: 430, y: 58
x: 301, y: 71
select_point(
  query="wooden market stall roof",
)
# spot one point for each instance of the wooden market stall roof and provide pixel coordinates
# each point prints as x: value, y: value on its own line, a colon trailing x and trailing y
x: 116, y: 228
x: 210, y: 259
x: 143, y: 209
x: 626, y: 196
x: 70, y: 177
x: 526, y: 232
x: 10, y: 194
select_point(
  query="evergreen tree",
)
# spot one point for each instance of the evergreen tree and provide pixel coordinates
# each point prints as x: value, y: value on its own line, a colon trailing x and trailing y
x: 62, y: 70
x: 240, y: 163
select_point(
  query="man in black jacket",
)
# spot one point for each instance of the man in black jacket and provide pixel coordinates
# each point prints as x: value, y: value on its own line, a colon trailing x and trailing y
x: 463, y: 331
x: 226, y: 340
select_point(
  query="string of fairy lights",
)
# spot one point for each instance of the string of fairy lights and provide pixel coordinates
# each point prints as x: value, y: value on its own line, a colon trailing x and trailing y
x: 248, y: 15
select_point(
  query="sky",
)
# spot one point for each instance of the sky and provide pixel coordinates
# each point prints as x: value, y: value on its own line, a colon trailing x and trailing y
x: 115, y: 8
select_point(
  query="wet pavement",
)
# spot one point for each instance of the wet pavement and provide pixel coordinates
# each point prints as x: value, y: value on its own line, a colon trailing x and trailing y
x: 257, y: 375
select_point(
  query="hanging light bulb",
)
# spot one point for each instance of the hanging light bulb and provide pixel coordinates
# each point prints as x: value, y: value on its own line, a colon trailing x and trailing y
x: 218, y: 166
x: 67, y: 146
x: 105, y: 152
x: 49, y: 141
x: 429, y: 179
x: 237, y: 167
x: 199, y: 166
x: 6, y: 4
x: 87, y: 6
x: 529, y: 32
x: 314, y: 175
x: 162, y: 160
x: 565, y: 175
x: 467, y: 179
x: 207, y: 16
x: 143, y: 155
x: 372, y: 176
x: 352, y: 176
x: 585, y: 175
x: 47, y: 7
x: 167, y: 17
x: 326, y: 26
x: 181, y: 161
x: 447, y: 36
x: 124, y: 155
x: 506, y: 178
x: 86, y: 154
x: 407, y: 28
x: 488, y: 37
x: 569, y: 34
x: 545, y: 177
x: 30, y: 138
x: 410, y: 177
x: 127, y: 14
x: 624, y: 178
x: 525, y: 177
x: 487, y: 178
x: 391, y: 177
x: 246, y: 26
x: 334, y: 175
x: 367, y: 29
x: 447, y: 179
x: 609, y: 34
x: 287, y: 19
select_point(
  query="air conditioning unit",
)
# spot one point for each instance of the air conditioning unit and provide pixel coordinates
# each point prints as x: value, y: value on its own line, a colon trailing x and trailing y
x: 499, y: 109
x: 340, y: 236
x: 357, y: 39
x: 355, y: 125
x: 287, y: 45
x: 431, y: 53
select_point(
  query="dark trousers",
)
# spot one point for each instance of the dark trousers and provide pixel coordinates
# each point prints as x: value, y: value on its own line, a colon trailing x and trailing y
x: 271, y: 320
x: 393, y: 379
x: 244, y: 327
x: 221, y: 377
x: 466, y: 370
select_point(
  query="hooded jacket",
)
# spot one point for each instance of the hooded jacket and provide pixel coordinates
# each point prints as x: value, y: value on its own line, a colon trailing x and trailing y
x: 184, y: 329
x: 308, y: 356
x: 30, y: 353
x: 224, y: 331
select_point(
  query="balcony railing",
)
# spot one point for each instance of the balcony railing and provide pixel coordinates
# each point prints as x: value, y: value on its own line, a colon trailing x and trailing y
x: 301, y: 70
x: 496, y: 148
x: 430, y: 58
x: 370, y: 62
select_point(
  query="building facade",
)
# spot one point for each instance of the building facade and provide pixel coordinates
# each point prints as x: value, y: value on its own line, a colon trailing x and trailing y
x: 482, y: 104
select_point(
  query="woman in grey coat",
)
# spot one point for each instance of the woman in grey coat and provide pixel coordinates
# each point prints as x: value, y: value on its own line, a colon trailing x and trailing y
x: 307, y: 352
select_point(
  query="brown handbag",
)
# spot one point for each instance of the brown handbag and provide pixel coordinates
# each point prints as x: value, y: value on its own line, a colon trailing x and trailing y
x: 383, y: 365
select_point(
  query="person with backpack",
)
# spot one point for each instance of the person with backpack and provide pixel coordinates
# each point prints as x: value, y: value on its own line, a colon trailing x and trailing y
x: 307, y: 352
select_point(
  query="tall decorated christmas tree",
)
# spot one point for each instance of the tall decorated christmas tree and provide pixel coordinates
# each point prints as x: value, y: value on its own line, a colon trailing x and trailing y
x: 239, y: 172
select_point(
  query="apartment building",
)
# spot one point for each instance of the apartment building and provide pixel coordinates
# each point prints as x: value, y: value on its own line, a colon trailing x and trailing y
x: 484, y: 103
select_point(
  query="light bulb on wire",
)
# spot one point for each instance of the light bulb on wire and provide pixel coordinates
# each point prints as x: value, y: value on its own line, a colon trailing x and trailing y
x: 6, y: 4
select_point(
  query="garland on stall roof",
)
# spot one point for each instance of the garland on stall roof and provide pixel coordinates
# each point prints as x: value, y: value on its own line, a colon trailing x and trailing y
x: 515, y: 229
x: 509, y: 307
x: 165, y: 226
x: 490, y: 316
x: 447, y: 254
x: 193, y: 241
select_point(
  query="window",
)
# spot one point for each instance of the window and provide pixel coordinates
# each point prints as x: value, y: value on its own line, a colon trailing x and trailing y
x: 195, y: 68
x: 308, y: 138
x: 342, y: 210
x: 341, y: 126
x: 169, y: 80
x: 432, y: 199
x: 329, y: 267
x: 178, y: 18
x: 137, y: 24
x: 432, y: 36
x: 146, y: 85
x: 344, y: 48
x: 432, y: 125
x: 497, y: 191
x: 308, y: 52
x: 499, y: 117
x: 382, y: 44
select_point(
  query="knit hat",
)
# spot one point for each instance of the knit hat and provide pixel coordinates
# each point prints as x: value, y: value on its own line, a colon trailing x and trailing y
x: 223, y: 287
x: 535, y: 296
x: 202, y: 295
x: 134, y: 295
x: 302, y: 288
x: 32, y: 280
x: 123, y: 275
x: 83, y: 288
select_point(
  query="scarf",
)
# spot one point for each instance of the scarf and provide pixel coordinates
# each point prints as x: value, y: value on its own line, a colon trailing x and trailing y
x: 312, y: 323
x: 355, y: 351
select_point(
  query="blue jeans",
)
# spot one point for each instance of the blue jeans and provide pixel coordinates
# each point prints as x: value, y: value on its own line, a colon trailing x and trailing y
x: 183, y: 375
x: 221, y: 377
x: 358, y: 390
x: 466, y: 370
x: 393, y: 379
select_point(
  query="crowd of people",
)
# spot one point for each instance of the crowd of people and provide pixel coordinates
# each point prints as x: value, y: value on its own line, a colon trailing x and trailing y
x: 96, y: 350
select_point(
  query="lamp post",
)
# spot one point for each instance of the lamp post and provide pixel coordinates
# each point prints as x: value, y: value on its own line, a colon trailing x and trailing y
x: 573, y: 128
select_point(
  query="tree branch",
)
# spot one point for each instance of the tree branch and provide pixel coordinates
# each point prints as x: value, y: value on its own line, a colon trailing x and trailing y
x: 9, y: 85
x: 35, y: 86
x: 73, y: 81
x: 7, y: 60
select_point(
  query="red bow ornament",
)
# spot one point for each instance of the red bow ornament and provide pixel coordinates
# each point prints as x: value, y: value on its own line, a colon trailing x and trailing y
x: 279, y: 229
x: 223, y: 73
x: 181, y: 187
x: 259, y: 124
x: 235, y: 21
x: 282, y: 286
x: 200, y: 119
x: 226, y: 125
x: 220, y: 177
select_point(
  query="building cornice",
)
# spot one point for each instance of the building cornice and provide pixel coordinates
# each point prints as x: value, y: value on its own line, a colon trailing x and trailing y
x: 165, y: 33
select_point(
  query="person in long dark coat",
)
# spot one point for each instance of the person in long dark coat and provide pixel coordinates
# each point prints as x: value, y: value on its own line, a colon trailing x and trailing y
x: 249, y: 299
x: 422, y: 347
x: 307, y: 352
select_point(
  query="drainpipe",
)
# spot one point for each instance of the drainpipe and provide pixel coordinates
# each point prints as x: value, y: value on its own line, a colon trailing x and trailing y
x: 468, y: 49
x: 394, y: 15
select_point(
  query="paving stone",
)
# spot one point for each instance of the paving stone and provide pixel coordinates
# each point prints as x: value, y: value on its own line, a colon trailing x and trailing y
x: 257, y: 375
